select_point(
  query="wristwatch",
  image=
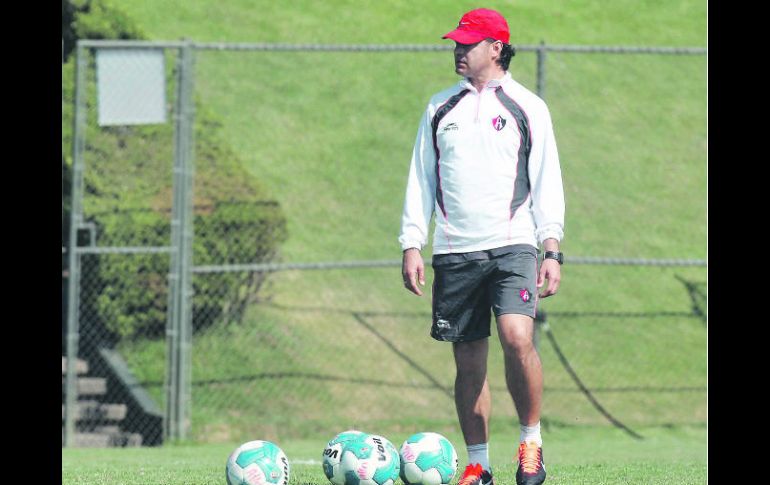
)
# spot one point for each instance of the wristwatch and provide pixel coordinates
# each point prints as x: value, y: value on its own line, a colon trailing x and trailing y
x: 557, y: 255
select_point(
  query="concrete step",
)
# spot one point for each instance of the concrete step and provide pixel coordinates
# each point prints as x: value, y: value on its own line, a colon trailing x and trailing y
x: 105, y: 440
x: 90, y: 440
x: 81, y: 366
x: 88, y: 386
x: 128, y: 440
x: 110, y: 430
x: 96, y: 411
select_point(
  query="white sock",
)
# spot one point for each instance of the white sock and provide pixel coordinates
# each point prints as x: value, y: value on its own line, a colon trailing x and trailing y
x: 531, y: 433
x: 479, y: 454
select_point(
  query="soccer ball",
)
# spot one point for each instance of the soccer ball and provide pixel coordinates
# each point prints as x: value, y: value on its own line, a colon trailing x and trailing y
x: 371, y: 460
x: 257, y: 463
x: 427, y: 459
x: 333, y: 453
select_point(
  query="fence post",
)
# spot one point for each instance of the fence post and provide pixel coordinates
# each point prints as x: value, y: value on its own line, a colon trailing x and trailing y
x: 186, y: 243
x: 179, y: 323
x: 541, y: 51
x: 73, y: 287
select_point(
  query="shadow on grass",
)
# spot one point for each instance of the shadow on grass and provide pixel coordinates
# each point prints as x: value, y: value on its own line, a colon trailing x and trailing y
x: 697, y: 292
x: 363, y: 318
x: 293, y: 375
x: 696, y: 313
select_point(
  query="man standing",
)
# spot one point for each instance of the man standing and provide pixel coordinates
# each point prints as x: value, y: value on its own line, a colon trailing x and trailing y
x: 485, y: 162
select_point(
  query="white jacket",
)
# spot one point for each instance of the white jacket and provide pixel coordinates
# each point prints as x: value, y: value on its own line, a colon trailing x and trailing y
x: 486, y: 163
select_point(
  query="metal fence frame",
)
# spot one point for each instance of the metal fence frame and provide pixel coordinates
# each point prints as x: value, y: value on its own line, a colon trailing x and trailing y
x: 179, y: 323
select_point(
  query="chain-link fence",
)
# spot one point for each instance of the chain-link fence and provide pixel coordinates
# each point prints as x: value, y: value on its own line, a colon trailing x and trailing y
x: 273, y: 307
x: 116, y: 285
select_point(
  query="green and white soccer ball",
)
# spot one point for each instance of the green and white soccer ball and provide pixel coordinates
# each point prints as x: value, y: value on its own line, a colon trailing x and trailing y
x: 427, y: 459
x: 257, y: 463
x: 332, y: 454
x: 372, y: 460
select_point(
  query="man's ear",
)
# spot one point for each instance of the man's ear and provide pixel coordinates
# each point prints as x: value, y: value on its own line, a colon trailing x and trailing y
x: 497, y: 49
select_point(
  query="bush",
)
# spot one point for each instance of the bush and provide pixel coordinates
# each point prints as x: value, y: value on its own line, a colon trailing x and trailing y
x: 129, y: 294
x: 94, y: 19
x: 128, y: 197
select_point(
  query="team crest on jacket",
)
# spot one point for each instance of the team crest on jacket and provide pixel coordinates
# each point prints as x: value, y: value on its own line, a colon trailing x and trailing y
x: 498, y: 123
x: 524, y: 294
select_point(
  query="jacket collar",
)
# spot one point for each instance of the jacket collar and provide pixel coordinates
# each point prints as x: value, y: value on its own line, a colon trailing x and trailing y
x: 492, y: 83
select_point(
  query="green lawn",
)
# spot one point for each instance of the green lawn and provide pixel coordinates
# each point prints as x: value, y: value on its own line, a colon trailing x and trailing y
x: 327, y: 352
x: 575, y: 455
x: 330, y: 136
x: 621, y: 22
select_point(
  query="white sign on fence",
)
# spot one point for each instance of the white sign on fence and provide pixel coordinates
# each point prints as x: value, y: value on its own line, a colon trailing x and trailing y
x: 131, y: 86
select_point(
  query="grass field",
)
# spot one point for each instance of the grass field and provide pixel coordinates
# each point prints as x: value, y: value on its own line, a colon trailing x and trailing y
x: 286, y: 372
x: 330, y: 135
x: 588, y: 455
x: 622, y: 22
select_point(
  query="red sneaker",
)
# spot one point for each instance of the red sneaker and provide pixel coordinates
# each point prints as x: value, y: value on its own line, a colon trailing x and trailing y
x: 531, y: 467
x: 475, y: 475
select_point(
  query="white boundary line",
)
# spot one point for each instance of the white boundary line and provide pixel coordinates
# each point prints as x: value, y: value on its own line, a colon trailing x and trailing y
x: 304, y: 462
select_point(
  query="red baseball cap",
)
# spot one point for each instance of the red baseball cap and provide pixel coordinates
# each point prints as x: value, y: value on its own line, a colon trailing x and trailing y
x: 478, y: 25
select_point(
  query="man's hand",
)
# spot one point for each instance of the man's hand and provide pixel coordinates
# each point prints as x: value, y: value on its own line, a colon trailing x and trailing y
x: 550, y: 270
x: 413, y: 270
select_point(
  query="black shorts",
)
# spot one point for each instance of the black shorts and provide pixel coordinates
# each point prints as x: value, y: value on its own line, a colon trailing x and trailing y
x: 467, y: 286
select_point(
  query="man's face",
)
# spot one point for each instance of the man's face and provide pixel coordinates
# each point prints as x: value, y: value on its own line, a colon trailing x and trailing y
x: 471, y: 59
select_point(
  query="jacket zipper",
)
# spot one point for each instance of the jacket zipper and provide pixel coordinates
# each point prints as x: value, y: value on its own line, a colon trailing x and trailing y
x: 478, y: 104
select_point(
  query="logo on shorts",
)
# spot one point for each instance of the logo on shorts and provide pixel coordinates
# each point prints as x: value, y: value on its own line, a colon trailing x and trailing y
x: 498, y: 123
x: 524, y: 294
x: 440, y: 322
